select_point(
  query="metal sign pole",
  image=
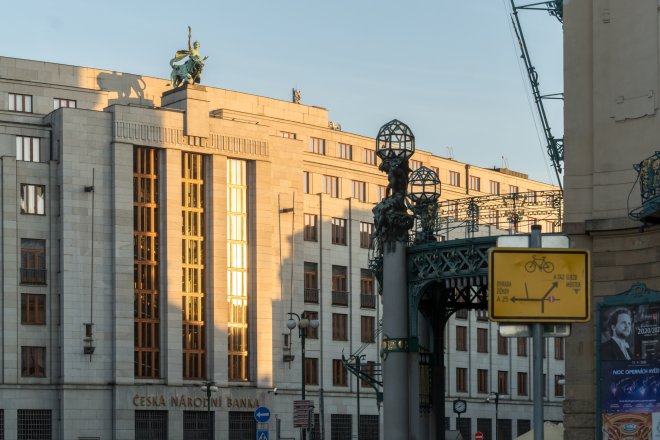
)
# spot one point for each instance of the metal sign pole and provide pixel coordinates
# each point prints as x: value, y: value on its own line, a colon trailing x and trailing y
x: 537, y: 337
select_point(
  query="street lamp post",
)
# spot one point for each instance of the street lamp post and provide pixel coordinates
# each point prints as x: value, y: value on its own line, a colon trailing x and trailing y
x: 494, y: 395
x: 302, y: 323
x: 209, y: 387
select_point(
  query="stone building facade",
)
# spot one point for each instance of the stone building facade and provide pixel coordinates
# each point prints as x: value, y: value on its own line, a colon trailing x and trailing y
x: 155, y: 238
x: 611, y: 123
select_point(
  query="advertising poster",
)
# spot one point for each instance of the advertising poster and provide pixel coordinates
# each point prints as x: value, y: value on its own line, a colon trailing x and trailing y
x: 629, y: 346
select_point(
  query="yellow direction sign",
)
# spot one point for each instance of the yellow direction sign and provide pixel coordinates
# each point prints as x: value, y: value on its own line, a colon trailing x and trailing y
x: 538, y: 285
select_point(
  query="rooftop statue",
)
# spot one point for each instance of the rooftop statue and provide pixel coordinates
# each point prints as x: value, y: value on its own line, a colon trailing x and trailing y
x: 190, y: 72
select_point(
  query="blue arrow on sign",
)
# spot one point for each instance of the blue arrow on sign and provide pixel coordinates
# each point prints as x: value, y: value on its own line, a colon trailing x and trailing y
x: 262, y: 414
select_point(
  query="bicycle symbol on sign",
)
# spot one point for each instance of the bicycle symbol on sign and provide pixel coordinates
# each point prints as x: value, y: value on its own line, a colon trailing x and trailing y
x: 540, y: 264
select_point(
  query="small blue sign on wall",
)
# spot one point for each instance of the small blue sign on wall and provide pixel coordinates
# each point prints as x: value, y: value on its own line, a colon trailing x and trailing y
x: 262, y: 415
x: 262, y: 435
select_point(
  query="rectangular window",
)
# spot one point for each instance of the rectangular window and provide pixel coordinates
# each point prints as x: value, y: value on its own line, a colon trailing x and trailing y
x: 461, y: 380
x: 33, y: 361
x: 20, y: 103
x: 35, y: 424
x: 368, y: 368
x: 559, y: 385
x: 559, y: 349
x: 196, y: 424
x: 288, y: 135
x: 475, y: 183
x: 193, y: 295
x: 339, y: 231
x: 502, y: 344
x: 485, y: 427
x: 462, y: 314
x: 311, y: 371
x: 63, y: 102
x: 311, y: 283
x: 494, y: 187
x: 360, y: 190
x: 33, y: 309
x: 436, y: 170
x: 366, y: 229
x: 339, y: 291
x: 28, y: 149
x: 339, y: 327
x: 367, y: 329
x: 482, y: 381
x: 382, y: 192
x: 367, y: 297
x: 482, y: 340
x: 522, y: 346
x: 331, y: 186
x: 452, y: 209
x: 33, y: 199
x: 454, y: 178
x: 503, y: 382
x: 317, y: 145
x: 415, y: 164
x: 532, y: 197
x: 150, y: 424
x: 368, y: 427
x: 311, y: 227
x: 482, y: 315
x: 461, y: 338
x: 146, y: 257
x: 238, y: 355
x: 524, y: 426
x: 311, y: 332
x: 339, y: 377
x: 522, y: 384
x: 369, y: 156
x: 513, y: 189
x: 345, y: 151
x: 307, y: 182
x: 341, y: 426
x: 33, y: 261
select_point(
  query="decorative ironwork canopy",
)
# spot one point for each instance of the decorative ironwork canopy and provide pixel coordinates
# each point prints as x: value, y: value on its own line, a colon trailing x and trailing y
x: 649, y: 185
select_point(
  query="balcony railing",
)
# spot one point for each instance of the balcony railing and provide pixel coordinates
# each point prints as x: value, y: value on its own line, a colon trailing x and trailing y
x: 33, y: 276
x: 312, y: 296
x: 368, y: 301
x: 339, y: 298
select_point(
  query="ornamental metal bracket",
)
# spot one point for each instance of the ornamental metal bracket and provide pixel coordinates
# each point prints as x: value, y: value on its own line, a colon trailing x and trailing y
x: 398, y: 345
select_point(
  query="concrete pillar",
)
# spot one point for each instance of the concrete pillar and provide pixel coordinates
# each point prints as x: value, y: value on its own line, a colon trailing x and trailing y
x: 395, y: 325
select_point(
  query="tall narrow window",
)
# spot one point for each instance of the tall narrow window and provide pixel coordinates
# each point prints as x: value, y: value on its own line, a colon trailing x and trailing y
x: 367, y: 297
x: 454, y: 178
x: 28, y: 149
x: 33, y: 308
x: 522, y: 384
x: 502, y: 344
x: 20, y: 103
x: 311, y: 283
x: 33, y: 199
x: 360, y: 190
x: 365, y: 234
x: 382, y: 192
x: 339, y: 376
x: 494, y: 187
x: 331, y: 186
x: 193, y: 266
x: 475, y: 183
x: 146, y: 294
x: 461, y: 338
x: 503, y: 382
x: 522, y: 346
x: 339, y: 327
x: 559, y: 349
x: 482, y: 381
x: 339, y: 290
x: 482, y: 340
x: 33, y: 261
x: 339, y: 231
x: 367, y: 329
x: 311, y: 227
x: 33, y: 361
x: 311, y: 371
x: 307, y: 182
x: 369, y: 156
x: 237, y: 270
x: 461, y: 380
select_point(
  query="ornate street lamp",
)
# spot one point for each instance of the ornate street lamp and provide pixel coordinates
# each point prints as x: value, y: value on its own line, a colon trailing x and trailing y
x: 209, y: 387
x: 303, y: 324
x: 395, y: 140
x: 424, y: 191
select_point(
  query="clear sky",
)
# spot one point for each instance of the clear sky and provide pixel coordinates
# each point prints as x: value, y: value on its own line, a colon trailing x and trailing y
x: 450, y: 70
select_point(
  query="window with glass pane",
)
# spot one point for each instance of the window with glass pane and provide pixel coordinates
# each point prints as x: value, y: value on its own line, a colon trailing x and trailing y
x: 307, y: 182
x: 513, y: 189
x: 559, y: 349
x: 63, y: 102
x: 454, y: 178
x: 317, y: 145
x: 345, y: 151
x: 369, y: 156
x: 482, y: 340
x: 310, y: 227
x: 33, y: 361
x: 502, y: 344
x: 339, y: 231
x: 522, y: 384
x: 339, y: 327
x: 367, y: 288
x: 559, y: 385
x: 20, y: 103
x: 311, y: 282
x: 494, y: 187
x: 366, y: 230
x: 339, y: 286
x: 33, y: 199
x: 503, y: 382
x: 146, y: 257
x: 382, y: 192
x: 461, y: 380
x: 360, y: 190
x: 331, y: 186
x: 339, y: 377
x: 237, y: 270
x: 311, y: 332
x: 475, y: 183
x: 461, y: 338
x: 311, y: 371
x: 28, y: 149
x: 33, y: 261
x: 288, y: 135
x: 367, y: 329
x: 522, y: 346
x: 482, y: 381
x: 33, y: 309
x: 415, y: 164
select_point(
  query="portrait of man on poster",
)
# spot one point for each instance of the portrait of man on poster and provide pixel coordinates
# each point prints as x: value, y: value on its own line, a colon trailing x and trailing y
x: 619, y: 329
